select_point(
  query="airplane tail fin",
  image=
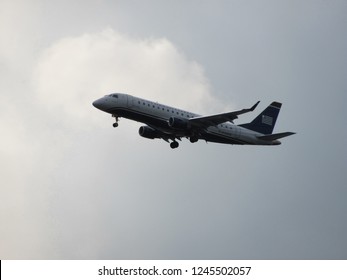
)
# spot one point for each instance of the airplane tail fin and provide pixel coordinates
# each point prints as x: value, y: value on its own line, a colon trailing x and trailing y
x: 265, y: 122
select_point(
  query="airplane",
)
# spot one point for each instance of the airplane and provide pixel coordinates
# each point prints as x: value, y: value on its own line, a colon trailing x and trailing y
x: 172, y: 124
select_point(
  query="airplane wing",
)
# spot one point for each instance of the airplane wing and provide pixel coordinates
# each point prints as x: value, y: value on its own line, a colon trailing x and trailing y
x: 213, y: 120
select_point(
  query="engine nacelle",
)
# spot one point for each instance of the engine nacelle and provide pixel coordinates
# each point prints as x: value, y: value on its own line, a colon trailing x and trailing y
x: 147, y: 132
x: 177, y: 123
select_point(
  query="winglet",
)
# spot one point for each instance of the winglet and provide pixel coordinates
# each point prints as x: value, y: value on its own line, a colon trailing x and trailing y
x: 254, y: 106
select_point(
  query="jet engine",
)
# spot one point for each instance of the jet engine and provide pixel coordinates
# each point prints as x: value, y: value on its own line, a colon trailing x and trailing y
x: 177, y: 123
x: 147, y: 132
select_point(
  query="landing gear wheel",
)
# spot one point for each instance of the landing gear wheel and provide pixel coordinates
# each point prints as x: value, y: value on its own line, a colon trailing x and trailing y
x: 174, y: 145
x: 193, y: 139
x: 115, y: 124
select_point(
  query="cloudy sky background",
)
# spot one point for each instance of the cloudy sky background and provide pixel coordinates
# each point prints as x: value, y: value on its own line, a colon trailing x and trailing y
x: 72, y: 187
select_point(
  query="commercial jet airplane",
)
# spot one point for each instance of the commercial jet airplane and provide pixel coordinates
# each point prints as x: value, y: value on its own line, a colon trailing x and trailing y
x: 172, y: 124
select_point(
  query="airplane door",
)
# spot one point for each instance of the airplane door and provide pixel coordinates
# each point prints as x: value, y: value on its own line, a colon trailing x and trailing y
x: 130, y: 101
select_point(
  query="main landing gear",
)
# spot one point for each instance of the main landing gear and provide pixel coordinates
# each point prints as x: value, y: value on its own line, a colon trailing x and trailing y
x: 174, y: 145
x: 116, y: 123
x: 193, y: 139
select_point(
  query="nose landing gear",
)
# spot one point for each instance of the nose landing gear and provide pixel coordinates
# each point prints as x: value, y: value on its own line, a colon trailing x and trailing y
x: 117, y: 119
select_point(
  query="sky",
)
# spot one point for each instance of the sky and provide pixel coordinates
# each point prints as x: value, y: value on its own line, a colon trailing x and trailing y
x: 73, y: 187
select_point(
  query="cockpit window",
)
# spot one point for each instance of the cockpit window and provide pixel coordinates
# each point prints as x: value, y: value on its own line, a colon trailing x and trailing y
x: 114, y: 95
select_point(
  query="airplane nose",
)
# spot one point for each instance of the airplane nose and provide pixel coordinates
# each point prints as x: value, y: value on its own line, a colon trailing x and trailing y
x: 97, y: 103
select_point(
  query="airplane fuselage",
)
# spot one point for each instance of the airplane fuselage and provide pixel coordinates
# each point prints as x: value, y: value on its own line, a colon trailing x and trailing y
x: 160, y: 121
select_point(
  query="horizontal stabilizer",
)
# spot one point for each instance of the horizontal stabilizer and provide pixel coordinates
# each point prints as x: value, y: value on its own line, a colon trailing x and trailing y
x: 272, y: 137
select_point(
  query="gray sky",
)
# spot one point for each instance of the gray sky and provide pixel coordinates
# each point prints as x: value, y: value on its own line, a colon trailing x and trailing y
x: 72, y: 187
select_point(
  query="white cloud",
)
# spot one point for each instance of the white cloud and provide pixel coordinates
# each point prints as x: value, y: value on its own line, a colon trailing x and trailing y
x: 71, y: 74
x: 20, y: 32
x: 75, y: 71
x: 48, y: 172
